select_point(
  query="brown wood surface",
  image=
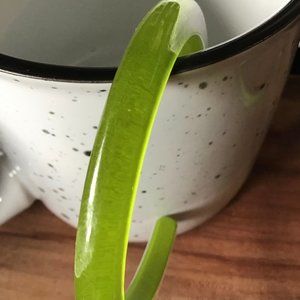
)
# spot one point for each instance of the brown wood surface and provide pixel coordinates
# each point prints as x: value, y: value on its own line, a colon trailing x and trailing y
x: 251, y: 250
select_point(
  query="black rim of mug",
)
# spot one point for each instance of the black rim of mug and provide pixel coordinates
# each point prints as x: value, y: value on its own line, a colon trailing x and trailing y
x: 27, y: 68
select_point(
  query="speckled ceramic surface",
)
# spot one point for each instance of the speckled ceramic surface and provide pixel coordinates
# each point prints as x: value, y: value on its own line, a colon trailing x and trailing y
x: 210, y: 126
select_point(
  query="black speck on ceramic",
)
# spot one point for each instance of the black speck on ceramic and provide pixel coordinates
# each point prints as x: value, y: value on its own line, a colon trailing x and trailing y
x: 203, y: 85
x: 87, y: 153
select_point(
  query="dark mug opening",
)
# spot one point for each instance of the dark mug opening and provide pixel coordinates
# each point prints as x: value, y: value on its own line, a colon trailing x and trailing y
x: 85, y: 40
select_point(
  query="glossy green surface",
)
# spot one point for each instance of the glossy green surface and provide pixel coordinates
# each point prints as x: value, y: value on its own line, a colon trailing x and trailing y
x: 147, y: 279
x: 117, y: 158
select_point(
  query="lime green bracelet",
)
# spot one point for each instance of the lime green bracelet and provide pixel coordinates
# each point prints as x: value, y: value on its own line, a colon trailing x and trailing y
x: 117, y: 158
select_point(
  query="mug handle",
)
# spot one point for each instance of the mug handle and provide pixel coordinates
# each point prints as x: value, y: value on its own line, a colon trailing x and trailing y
x: 13, y: 197
x: 172, y: 28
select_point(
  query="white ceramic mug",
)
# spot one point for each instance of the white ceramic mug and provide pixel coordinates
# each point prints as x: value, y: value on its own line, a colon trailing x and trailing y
x: 55, y: 77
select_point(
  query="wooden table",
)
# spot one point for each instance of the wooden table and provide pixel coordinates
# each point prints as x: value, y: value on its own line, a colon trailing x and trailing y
x: 251, y: 250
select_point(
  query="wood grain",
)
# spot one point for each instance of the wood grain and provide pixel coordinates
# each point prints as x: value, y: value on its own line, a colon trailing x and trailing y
x: 251, y: 250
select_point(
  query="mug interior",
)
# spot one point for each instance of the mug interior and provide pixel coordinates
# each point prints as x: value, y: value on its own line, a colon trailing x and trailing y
x: 94, y: 33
